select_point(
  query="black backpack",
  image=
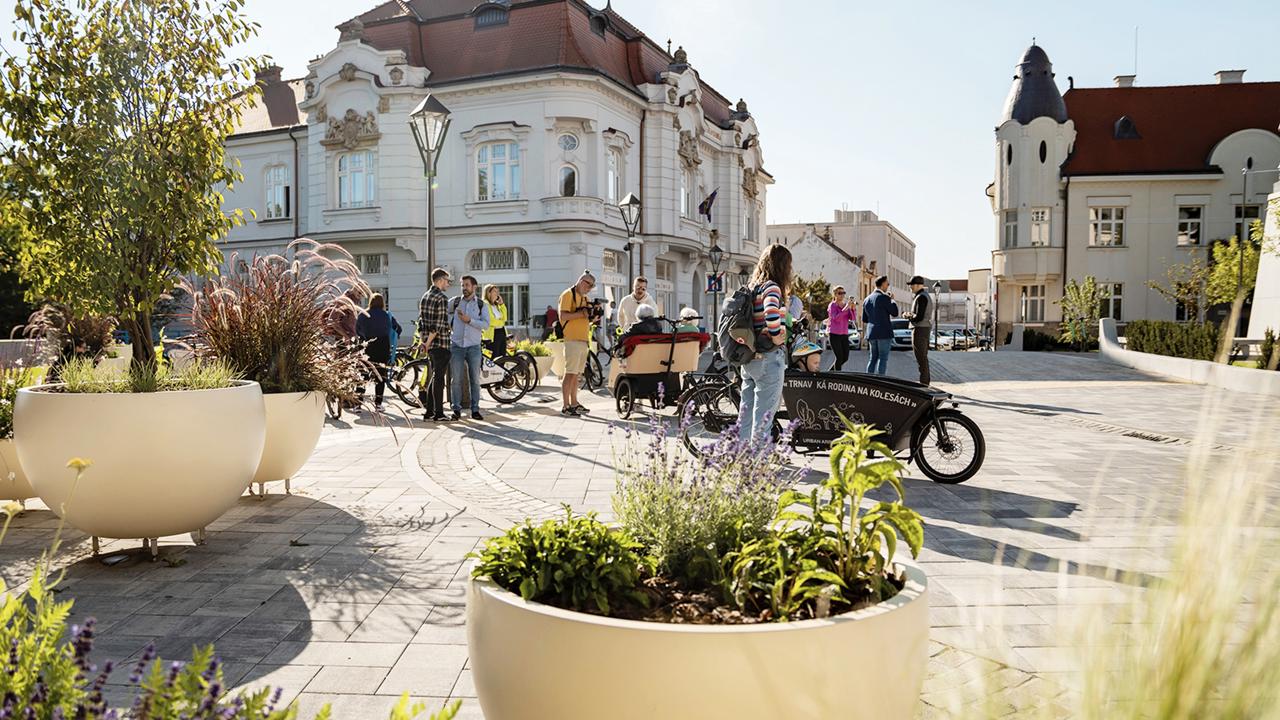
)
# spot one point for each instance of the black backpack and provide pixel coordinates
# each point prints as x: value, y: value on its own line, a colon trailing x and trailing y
x: 736, y: 334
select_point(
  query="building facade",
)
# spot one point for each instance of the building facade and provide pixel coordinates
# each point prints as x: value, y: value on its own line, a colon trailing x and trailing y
x: 875, y: 244
x: 1120, y: 184
x: 558, y: 110
x: 815, y: 255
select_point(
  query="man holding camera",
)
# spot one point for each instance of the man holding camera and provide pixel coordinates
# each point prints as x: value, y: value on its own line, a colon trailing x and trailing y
x: 576, y: 315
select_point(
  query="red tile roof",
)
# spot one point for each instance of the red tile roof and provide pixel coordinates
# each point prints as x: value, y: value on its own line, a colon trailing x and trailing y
x: 1177, y: 126
x: 539, y: 35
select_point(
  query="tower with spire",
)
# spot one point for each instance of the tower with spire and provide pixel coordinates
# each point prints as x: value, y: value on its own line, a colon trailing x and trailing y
x: 1033, y: 139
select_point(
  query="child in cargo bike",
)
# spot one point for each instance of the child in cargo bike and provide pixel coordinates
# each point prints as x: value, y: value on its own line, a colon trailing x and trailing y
x: 651, y: 357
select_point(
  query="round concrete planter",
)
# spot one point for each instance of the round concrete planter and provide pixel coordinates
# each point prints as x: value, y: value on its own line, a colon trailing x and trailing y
x: 557, y: 357
x: 294, y: 422
x: 120, y: 363
x: 534, y: 661
x: 164, y: 463
x: 543, y: 363
x: 17, y: 487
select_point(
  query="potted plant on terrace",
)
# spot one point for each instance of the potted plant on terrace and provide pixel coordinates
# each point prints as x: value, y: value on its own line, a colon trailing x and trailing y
x: 112, y: 155
x: 541, y: 356
x: 274, y: 322
x: 717, y: 596
x: 13, y: 481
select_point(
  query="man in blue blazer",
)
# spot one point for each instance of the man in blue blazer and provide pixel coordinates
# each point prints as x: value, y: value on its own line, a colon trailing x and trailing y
x: 878, y: 311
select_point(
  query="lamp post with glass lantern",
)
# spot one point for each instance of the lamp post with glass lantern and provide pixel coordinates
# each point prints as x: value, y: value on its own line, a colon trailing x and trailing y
x: 716, y: 255
x: 630, y: 209
x: 429, y: 122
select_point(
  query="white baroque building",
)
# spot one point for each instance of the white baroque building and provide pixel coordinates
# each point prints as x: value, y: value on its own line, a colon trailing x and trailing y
x: 558, y: 110
x: 874, y: 245
x: 1121, y: 183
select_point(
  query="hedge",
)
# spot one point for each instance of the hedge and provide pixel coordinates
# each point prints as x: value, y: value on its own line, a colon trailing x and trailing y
x: 1196, y: 341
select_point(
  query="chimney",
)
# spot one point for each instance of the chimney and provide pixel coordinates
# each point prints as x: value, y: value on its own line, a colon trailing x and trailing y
x: 1125, y: 80
x: 269, y: 75
x: 1229, y: 77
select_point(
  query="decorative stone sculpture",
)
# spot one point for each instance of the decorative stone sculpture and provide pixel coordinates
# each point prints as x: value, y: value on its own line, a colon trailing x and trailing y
x: 384, y: 104
x: 749, y: 184
x: 351, y: 130
x: 311, y: 89
x: 348, y: 72
x: 689, y: 155
x: 322, y: 115
x: 397, y: 75
x: 742, y: 106
x: 351, y: 30
x: 671, y: 96
x: 681, y: 57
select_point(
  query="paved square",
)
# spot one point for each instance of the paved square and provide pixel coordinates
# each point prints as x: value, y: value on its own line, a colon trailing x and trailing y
x: 351, y: 590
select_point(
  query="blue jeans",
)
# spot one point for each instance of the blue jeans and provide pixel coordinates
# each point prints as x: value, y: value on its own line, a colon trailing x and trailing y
x: 879, y: 362
x: 458, y: 356
x: 761, y: 395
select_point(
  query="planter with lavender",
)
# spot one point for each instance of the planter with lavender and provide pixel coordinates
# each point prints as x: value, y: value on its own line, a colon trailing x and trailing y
x: 725, y: 590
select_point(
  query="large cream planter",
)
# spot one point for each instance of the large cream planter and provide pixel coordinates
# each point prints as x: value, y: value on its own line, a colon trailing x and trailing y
x: 13, y: 481
x: 164, y: 463
x: 294, y: 422
x: 543, y: 364
x: 534, y: 661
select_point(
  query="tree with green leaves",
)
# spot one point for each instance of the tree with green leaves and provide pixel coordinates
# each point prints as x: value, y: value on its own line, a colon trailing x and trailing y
x: 1226, y: 281
x: 1186, y: 287
x: 112, y: 123
x: 1081, y: 305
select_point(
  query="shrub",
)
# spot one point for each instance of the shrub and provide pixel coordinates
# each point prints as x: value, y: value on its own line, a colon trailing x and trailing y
x: 11, y: 380
x: 1197, y: 341
x: 577, y: 563
x: 63, y: 330
x: 535, y: 349
x: 826, y: 553
x: 275, y: 322
x: 1269, y: 358
x: 80, y: 375
x: 688, y: 511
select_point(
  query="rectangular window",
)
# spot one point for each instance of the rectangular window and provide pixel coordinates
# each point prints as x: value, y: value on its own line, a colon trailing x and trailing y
x: 1250, y: 214
x: 357, y: 179
x: 1189, y: 219
x: 1183, y: 312
x: 372, y: 263
x: 277, y: 186
x: 498, y: 172
x: 504, y: 259
x: 1010, y: 228
x: 615, y: 176
x: 1033, y: 303
x: 1106, y: 226
x: 613, y: 261
x: 1109, y: 306
x: 1040, y: 227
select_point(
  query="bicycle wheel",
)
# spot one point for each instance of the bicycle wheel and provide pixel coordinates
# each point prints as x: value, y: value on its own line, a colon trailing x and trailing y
x: 593, y: 374
x: 512, y: 387
x: 402, y: 381
x: 625, y: 398
x: 707, y: 411
x: 952, y: 459
x: 333, y: 407
x: 530, y: 368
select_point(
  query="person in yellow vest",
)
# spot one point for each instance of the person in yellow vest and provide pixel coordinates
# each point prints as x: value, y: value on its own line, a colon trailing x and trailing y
x: 495, y: 336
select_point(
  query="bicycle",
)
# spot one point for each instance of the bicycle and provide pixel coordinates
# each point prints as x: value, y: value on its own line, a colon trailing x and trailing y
x: 507, y: 379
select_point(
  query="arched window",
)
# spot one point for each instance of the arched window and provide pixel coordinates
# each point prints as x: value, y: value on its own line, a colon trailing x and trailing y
x: 1008, y: 154
x: 497, y: 260
x: 276, y: 183
x: 357, y: 179
x: 615, y: 176
x: 1044, y: 151
x: 568, y: 181
x: 498, y: 171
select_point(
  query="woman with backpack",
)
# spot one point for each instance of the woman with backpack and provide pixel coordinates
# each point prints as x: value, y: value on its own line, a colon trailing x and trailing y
x: 762, y: 375
x: 379, y: 331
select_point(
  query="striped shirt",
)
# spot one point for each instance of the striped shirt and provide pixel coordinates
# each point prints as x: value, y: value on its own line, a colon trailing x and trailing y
x: 769, y: 312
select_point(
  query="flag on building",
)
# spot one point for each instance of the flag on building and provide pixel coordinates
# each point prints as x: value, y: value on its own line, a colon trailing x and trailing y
x: 704, y: 208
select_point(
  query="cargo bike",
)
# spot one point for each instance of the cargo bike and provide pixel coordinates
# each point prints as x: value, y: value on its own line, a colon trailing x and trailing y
x: 942, y: 441
x: 651, y: 366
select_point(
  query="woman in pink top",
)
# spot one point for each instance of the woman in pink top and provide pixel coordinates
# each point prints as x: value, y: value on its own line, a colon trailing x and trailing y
x: 840, y: 315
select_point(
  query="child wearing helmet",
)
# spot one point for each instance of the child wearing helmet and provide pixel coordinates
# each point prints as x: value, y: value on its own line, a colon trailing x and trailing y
x: 806, y: 357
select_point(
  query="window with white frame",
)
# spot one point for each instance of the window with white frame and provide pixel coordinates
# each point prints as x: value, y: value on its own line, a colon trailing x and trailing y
x: 1109, y: 305
x: 357, y: 179
x: 1106, y: 226
x: 371, y: 263
x: 497, y: 259
x: 613, y: 261
x: 277, y: 187
x: 1033, y: 303
x: 516, y: 297
x: 1189, y: 224
x: 498, y: 172
x: 665, y: 273
x: 749, y: 223
x: 568, y: 181
x: 615, y: 176
x: 686, y: 198
x: 1185, y: 312
x: 1010, y: 228
x: 1040, y: 227
x: 1250, y: 214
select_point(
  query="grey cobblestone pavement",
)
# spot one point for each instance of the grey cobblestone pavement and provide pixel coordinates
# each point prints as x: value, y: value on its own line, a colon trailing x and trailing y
x: 350, y: 591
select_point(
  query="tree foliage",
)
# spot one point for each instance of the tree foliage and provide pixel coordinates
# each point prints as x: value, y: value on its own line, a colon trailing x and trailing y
x: 815, y: 294
x: 1186, y: 286
x: 112, y: 125
x: 1080, y: 303
x: 1225, y: 275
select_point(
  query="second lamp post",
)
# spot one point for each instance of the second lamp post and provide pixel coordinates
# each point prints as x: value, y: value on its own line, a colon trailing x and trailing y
x: 430, y: 123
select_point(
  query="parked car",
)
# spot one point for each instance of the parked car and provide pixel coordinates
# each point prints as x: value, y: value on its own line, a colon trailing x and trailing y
x: 855, y: 337
x: 901, y: 334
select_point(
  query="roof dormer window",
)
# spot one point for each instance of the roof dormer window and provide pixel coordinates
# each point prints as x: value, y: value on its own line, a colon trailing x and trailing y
x: 599, y: 23
x: 491, y: 14
x: 1125, y: 129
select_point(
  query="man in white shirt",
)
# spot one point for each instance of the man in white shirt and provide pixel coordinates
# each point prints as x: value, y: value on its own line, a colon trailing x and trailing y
x: 628, y: 305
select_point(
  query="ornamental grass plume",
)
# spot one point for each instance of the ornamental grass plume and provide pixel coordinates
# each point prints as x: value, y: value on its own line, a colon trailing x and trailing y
x: 280, y: 320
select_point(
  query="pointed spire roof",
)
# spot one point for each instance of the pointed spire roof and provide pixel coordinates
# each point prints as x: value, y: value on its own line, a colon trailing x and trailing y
x: 1034, y: 93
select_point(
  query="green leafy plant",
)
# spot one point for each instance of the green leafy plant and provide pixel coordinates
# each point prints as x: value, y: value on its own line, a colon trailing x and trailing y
x: 1269, y: 358
x: 1228, y: 280
x: 534, y: 348
x: 271, y: 320
x: 113, y: 121
x: 1186, y: 286
x: 80, y: 375
x: 13, y: 379
x: 63, y: 331
x: 1197, y: 341
x: 1080, y: 305
x: 826, y: 553
x: 689, y: 511
x: 576, y: 562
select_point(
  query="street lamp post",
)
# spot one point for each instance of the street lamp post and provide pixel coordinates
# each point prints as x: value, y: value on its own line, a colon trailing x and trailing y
x: 429, y: 122
x: 630, y: 209
x: 716, y: 255
x: 937, y: 289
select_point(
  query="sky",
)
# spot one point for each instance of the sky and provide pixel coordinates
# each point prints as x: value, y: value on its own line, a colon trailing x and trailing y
x: 886, y: 106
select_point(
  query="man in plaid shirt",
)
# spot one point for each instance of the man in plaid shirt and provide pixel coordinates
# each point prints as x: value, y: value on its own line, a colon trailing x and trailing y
x: 433, y: 327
